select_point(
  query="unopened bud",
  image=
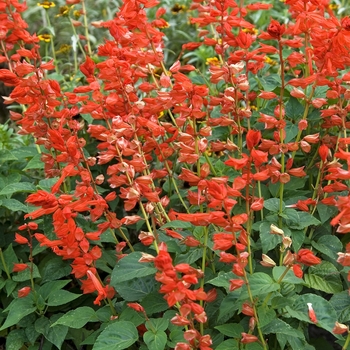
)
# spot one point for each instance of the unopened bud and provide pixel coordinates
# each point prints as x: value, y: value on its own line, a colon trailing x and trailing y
x: 252, y: 323
x: 287, y: 242
x: 288, y: 259
x: 340, y: 328
x: 267, y: 261
x: 276, y: 231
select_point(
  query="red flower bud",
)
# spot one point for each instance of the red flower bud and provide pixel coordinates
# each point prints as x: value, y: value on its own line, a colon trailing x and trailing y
x: 307, y: 257
x: 275, y: 29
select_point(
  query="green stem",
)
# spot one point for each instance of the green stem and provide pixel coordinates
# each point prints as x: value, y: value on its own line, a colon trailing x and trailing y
x: 204, y: 257
x: 4, y: 264
x: 86, y: 28
x: 347, y: 342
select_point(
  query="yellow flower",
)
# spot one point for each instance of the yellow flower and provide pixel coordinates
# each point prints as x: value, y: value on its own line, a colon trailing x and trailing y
x: 76, y: 14
x: 64, y: 11
x: 64, y: 49
x: 252, y: 31
x: 333, y: 7
x: 161, y: 114
x: 46, y: 4
x: 212, y: 60
x: 270, y: 61
x: 44, y: 37
x: 178, y: 8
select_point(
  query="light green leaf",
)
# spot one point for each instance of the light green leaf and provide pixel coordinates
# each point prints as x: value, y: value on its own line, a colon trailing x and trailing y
x: 324, y: 311
x: 18, y: 187
x: 260, y: 284
x: 155, y: 341
x: 18, y: 309
x: 35, y: 163
x: 158, y: 324
x: 177, y: 224
x: 25, y: 275
x: 130, y: 268
x: 273, y: 204
x: 232, y: 330
x: 10, y: 258
x: 77, y: 318
x: 15, y: 339
x: 117, y: 336
x: 341, y: 304
x: 277, y: 272
x: 14, y: 205
x: 278, y: 326
x: 230, y: 344
x: 268, y: 240
x: 223, y: 280
x: 54, y: 335
x: 50, y: 287
x: 136, y: 289
x: 61, y: 297
x: 328, y: 245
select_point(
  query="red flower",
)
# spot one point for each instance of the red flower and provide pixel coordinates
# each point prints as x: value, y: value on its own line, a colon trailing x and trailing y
x: 236, y: 284
x: 298, y: 272
x: 23, y: 292
x: 19, y: 267
x: 275, y: 29
x: 248, y: 338
x: 307, y: 257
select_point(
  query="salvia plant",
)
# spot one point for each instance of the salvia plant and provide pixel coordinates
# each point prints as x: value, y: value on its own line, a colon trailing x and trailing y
x: 187, y: 182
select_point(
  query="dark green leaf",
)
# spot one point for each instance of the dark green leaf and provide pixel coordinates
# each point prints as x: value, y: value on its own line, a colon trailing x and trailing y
x: 35, y: 163
x: 328, y: 245
x: 232, y: 330
x: 177, y: 224
x: 158, y: 324
x: 54, y: 334
x: 277, y: 272
x: 50, y: 287
x: 15, y: 339
x: 155, y: 340
x: 18, y: 187
x: 77, y: 318
x: 273, y: 204
x: 324, y: 311
x: 14, y: 205
x: 25, y: 275
x: 18, y: 309
x: 136, y: 289
x: 230, y: 344
x: 61, y: 297
x: 129, y: 268
x: 279, y: 326
x: 268, y: 240
x: 153, y: 303
x: 117, y: 336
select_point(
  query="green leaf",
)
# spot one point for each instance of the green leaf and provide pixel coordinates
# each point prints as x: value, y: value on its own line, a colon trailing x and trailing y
x: 228, y: 306
x: 10, y: 258
x: 294, y: 109
x: 177, y: 224
x: 35, y: 163
x: 192, y: 256
x: 324, y: 277
x: 291, y: 131
x: 136, y: 289
x: 268, y: 240
x: 153, y: 303
x: 61, y: 297
x: 18, y: 187
x: 77, y: 318
x: 328, y: 245
x: 223, y: 279
x: 117, y: 336
x: 6, y: 156
x: 270, y: 82
x: 341, y: 304
x: 18, y: 309
x: 156, y: 340
x: 25, y: 275
x: 230, y: 344
x: 15, y: 339
x: 324, y: 311
x: 325, y: 212
x: 54, y: 334
x: 278, y: 326
x: 50, y: 287
x: 273, y: 204
x: 55, y: 268
x: 260, y: 284
x: 232, y: 330
x: 14, y: 205
x: 158, y: 324
x: 130, y: 268
x: 265, y: 315
x: 277, y: 272
x: 306, y: 220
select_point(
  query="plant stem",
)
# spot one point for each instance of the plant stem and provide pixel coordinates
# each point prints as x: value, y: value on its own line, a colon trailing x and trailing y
x: 4, y: 264
x: 347, y: 342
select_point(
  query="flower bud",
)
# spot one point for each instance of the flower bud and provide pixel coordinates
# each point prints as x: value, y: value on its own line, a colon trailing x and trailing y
x: 276, y: 231
x: 287, y: 242
x: 340, y: 328
x: 267, y: 261
x: 288, y: 259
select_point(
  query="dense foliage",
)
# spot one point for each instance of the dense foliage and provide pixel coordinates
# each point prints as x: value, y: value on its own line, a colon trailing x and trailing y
x: 175, y: 176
